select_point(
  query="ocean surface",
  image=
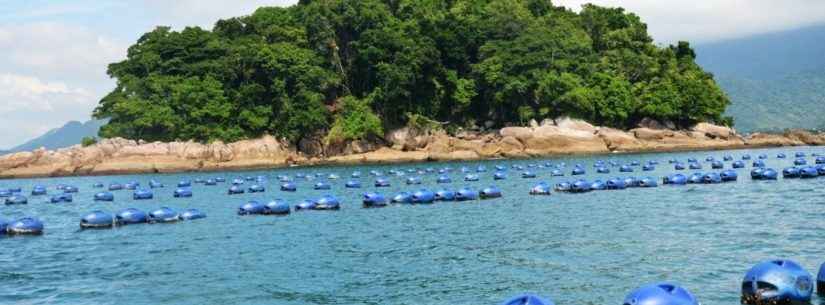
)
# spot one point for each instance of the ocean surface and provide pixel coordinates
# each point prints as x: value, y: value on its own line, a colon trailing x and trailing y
x: 590, y: 248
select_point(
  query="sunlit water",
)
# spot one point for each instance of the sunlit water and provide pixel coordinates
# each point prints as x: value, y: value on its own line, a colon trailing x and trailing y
x: 588, y: 248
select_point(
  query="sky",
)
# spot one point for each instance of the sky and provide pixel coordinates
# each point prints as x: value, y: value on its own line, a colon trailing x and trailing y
x: 54, y: 54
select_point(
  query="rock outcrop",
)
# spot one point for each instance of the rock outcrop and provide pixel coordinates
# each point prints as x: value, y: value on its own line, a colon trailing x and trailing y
x: 551, y: 137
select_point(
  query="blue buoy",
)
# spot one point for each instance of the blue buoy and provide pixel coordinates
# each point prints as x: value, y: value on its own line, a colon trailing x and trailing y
x: 711, y: 178
x: 489, y: 192
x: 443, y: 179
x: 413, y: 180
x: 717, y: 165
x: 541, y: 189
x: 808, y: 172
x: 327, y: 202
x: 563, y: 186
x: 142, y: 195
x: 220, y: 179
x: 471, y: 177
x: 580, y: 186
x: 781, y: 156
x: 97, y: 220
x: 39, y: 191
x: 17, y: 199
x: 104, y: 196
x: 527, y: 299
x: 777, y: 282
x: 132, y: 186
x: 648, y: 167
x: 70, y: 189
x: 353, y: 184
x: 746, y: 157
x: 799, y: 154
x: 97, y: 185
x: 163, y: 214
x: 738, y: 164
x: 598, y: 185
x: 648, y: 182
x: 154, y: 184
x: 210, y: 182
x: 660, y: 294
x: 499, y: 176
x: 675, y: 179
x: 191, y: 214
x: 696, y: 178
x: 695, y: 165
x: 402, y: 197
x: 235, y: 189
x: 65, y: 198
x: 602, y: 170
x: 184, y: 183
x: 800, y: 161
x: 679, y: 166
x: 276, y: 207
x: 305, y: 204
x: 728, y: 175
x: 616, y: 184
x: 577, y: 171
x: 25, y: 226
x: 251, y: 208
x: 790, y: 172
x: 381, y: 182
x: 322, y: 186
x: 556, y: 173
x: 819, y: 160
x: 444, y: 195
x: 528, y: 175
x: 130, y: 216
x: 374, y: 200
x: 256, y: 188
x: 465, y: 194
x: 182, y: 193
x: 4, y: 224
x: 289, y: 187
x: 626, y: 169
x: 423, y: 196
x: 115, y: 187
x: 758, y: 163
x: 727, y: 158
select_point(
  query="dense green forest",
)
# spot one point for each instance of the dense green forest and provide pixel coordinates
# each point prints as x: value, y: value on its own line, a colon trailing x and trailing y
x: 352, y: 69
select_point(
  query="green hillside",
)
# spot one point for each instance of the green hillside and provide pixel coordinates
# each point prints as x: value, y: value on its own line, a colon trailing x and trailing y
x: 347, y: 70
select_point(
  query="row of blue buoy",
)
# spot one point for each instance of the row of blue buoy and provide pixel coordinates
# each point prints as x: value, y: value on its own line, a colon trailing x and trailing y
x: 774, y: 282
x: 99, y: 219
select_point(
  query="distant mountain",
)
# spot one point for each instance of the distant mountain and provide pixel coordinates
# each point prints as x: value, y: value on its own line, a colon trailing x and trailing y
x: 68, y: 135
x: 775, y: 80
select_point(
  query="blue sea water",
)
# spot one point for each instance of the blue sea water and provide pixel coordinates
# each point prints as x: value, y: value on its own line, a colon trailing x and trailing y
x: 590, y: 248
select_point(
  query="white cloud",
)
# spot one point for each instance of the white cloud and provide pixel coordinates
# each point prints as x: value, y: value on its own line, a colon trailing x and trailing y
x: 709, y: 20
x: 19, y: 91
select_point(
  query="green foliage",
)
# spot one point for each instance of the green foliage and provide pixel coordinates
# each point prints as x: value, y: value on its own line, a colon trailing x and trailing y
x: 385, y: 64
x: 88, y: 141
x: 355, y: 121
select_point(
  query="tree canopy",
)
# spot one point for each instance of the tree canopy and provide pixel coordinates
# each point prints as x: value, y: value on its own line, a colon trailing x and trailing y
x: 351, y: 69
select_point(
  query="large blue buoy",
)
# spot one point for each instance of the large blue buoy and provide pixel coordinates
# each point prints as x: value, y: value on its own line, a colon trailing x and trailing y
x: 679, y: 166
x: 256, y: 188
x: 489, y: 192
x: 648, y: 182
x: 374, y: 200
x: 251, y: 208
x: 626, y: 169
x: 465, y: 194
x: 322, y: 186
x: 675, y: 179
x: 276, y: 207
x: 352, y: 184
x: 413, y: 180
x: 695, y: 165
x: 97, y: 220
x: 580, y: 186
x: 163, y: 214
x: 499, y: 176
x: 527, y: 299
x: 711, y: 178
x: 444, y: 195
x: 800, y: 161
x: 17, y: 199
x: 235, y: 190
x: 423, y: 196
x: 717, y: 165
x: 132, y: 185
x: 727, y: 158
x: 541, y: 189
x: 728, y: 175
x: 25, y: 226
x: 238, y: 181
x: 696, y: 178
x: 327, y: 202
x: 191, y: 214
x: 305, y: 204
x: 289, y: 187
x: 104, y: 196
x: 131, y: 216
x: 660, y: 294
x: 182, y: 193
x: 402, y: 197
x: 758, y: 163
x: 563, y: 186
x: 577, y: 171
x: 598, y: 185
x: 777, y: 282
x: 808, y: 172
x: 616, y: 184
x: 142, y: 195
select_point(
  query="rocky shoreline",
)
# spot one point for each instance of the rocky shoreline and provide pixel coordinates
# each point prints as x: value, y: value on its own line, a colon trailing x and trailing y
x: 552, y: 137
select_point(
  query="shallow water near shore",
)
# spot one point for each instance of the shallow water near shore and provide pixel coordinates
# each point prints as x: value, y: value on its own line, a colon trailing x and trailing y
x: 588, y: 248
